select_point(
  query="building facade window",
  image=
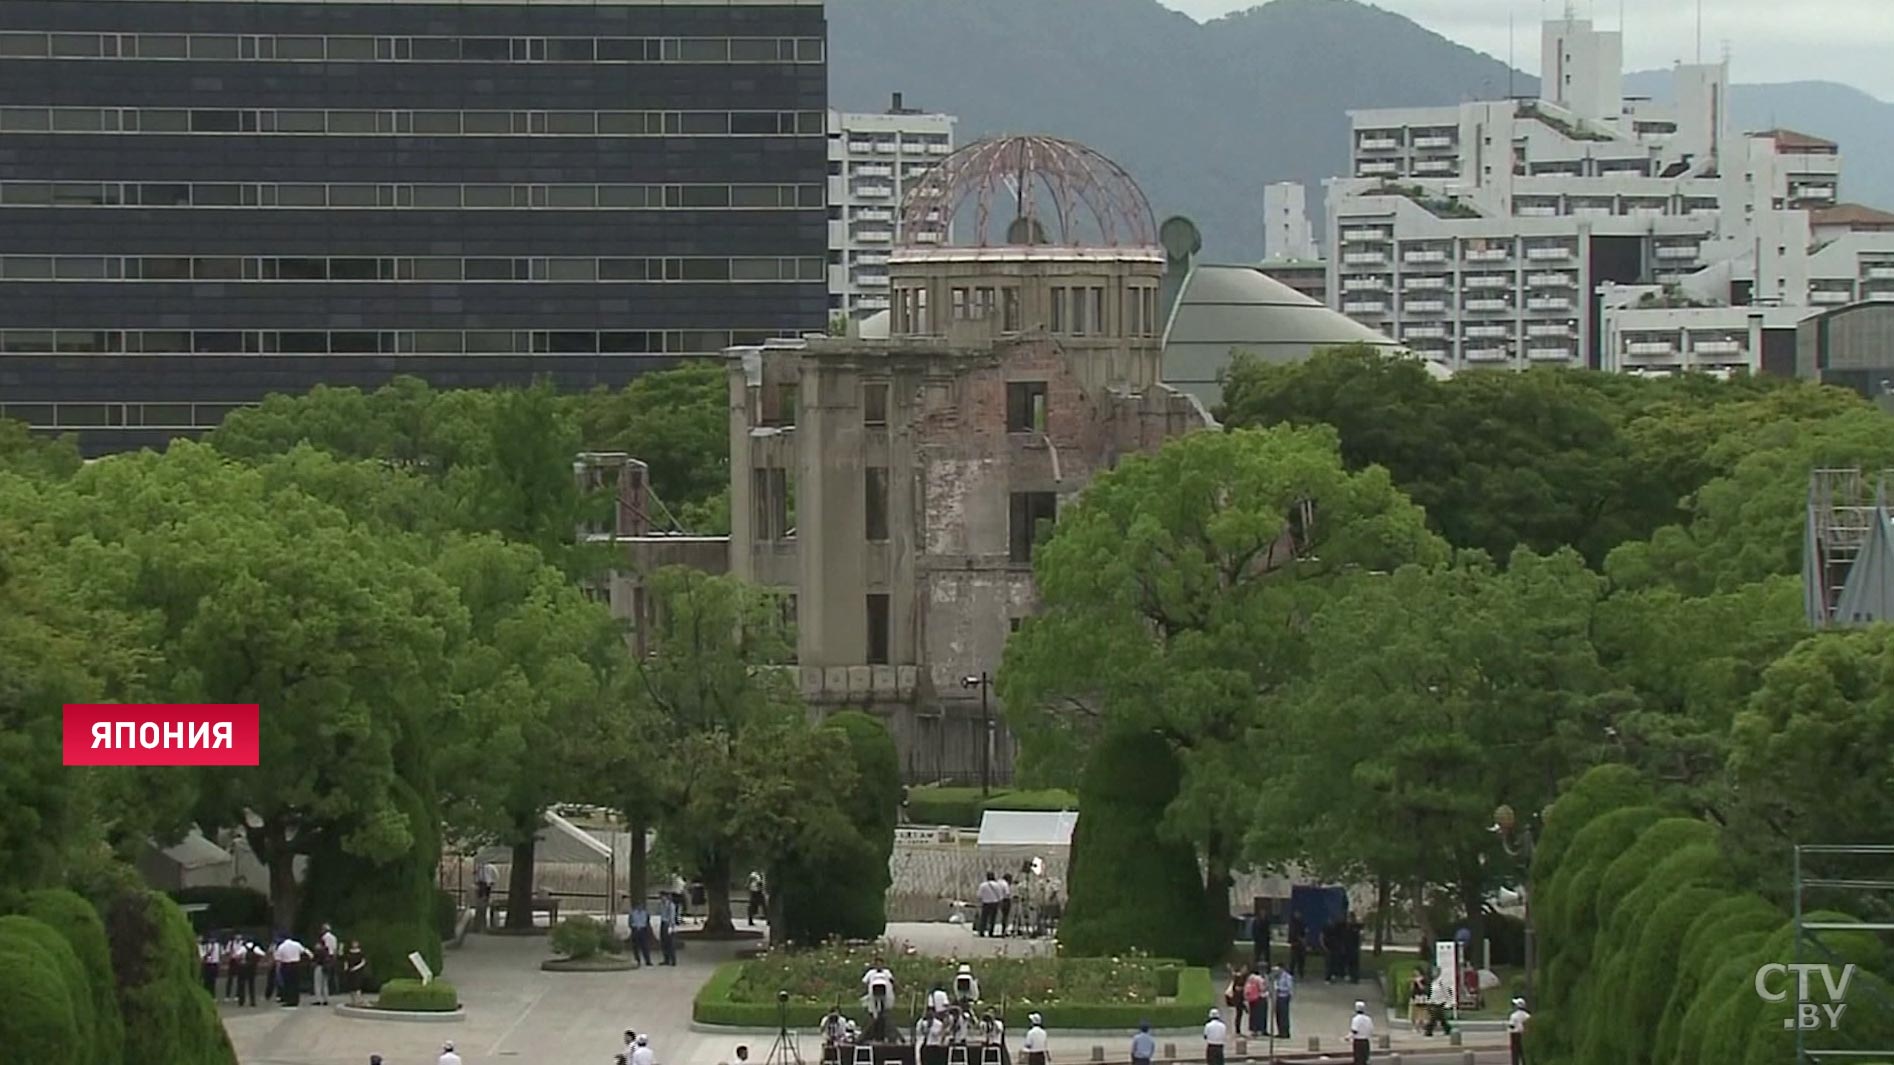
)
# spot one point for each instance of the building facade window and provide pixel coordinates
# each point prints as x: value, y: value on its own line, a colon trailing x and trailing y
x: 878, y: 629
x: 343, y: 123
x: 769, y: 490
x: 411, y: 49
x: 875, y: 504
x: 1031, y: 515
x: 1025, y: 406
x: 875, y: 404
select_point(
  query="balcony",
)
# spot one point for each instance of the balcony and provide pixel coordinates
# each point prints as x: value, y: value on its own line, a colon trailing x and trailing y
x: 1549, y: 303
x: 872, y: 303
x: 1379, y: 144
x: 1650, y: 347
x: 1489, y: 332
x: 1535, y: 210
x: 873, y: 170
x: 1433, y: 142
x: 1424, y: 306
x: 940, y: 149
x: 1488, y: 354
x: 1677, y: 251
x: 1592, y: 211
x: 1488, y: 255
x: 1424, y: 256
x: 1365, y: 307
x: 1488, y: 306
x: 1436, y: 166
x: 864, y: 147
x: 1881, y: 272
x: 1546, y: 252
x: 1364, y: 284
x: 875, y: 192
x: 1551, y: 281
x: 1559, y: 354
x: 874, y: 280
x: 1377, y: 167
x: 876, y: 236
x: 1716, y: 347
x: 1365, y: 234
x: 1549, y: 329
x: 1423, y: 281
x: 1488, y: 281
x: 1830, y: 295
x: 1364, y: 258
x: 874, y: 214
x: 887, y: 148
x: 1425, y: 332
x: 927, y: 236
x: 1646, y: 210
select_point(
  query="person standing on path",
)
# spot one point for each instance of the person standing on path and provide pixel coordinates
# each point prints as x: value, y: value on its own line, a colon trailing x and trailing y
x: 1215, y: 1034
x: 1516, y: 1030
x: 1233, y: 996
x: 1006, y: 905
x: 290, y: 956
x: 208, y: 954
x: 448, y: 1057
x: 1298, y: 945
x: 758, y: 902
x: 1438, y: 999
x: 1285, y: 987
x: 485, y: 876
x: 989, y: 895
x: 1035, y: 1045
x: 1361, y: 1032
x: 251, y: 958
x: 667, y: 932
x: 1143, y: 1046
x: 1354, y: 948
x: 1256, y: 998
x: 355, y: 972
x: 639, y: 924
x: 233, y: 964
x: 641, y: 1053
x: 1261, y: 926
x: 327, y: 951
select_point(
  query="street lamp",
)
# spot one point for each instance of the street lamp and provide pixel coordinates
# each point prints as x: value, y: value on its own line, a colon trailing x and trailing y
x: 983, y: 682
x: 1505, y: 824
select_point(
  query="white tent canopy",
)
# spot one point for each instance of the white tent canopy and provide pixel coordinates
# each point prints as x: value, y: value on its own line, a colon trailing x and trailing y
x: 1027, y: 828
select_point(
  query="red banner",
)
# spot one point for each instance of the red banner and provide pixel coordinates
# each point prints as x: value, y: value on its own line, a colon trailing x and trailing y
x: 178, y: 734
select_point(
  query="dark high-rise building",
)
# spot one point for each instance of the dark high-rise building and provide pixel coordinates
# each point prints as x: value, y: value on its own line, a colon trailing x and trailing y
x: 205, y: 201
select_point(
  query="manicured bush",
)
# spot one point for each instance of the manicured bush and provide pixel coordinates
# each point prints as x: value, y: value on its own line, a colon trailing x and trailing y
x: 446, y: 914
x: 931, y: 805
x: 79, y: 924
x: 227, y: 908
x: 1732, y: 968
x: 389, y: 906
x: 413, y: 996
x: 1129, y: 888
x: 1048, y: 799
x: 1697, y: 956
x: 47, y: 1018
x: 838, y: 885
x: 577, y: 937
x: 169, y: 1020
x: 1645, y: 963
x: 1601, y: 790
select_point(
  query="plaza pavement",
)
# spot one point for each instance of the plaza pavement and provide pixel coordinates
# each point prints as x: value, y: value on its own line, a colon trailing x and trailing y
x: 519, y: 1015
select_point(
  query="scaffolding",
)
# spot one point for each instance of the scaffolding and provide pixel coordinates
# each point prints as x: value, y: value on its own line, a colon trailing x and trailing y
x: 1808, y: 943
x: 1848, y: 550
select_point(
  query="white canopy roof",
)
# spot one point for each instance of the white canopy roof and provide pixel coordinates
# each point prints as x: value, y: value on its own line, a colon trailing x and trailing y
x: 195, y: 851
x: 1027, y: 828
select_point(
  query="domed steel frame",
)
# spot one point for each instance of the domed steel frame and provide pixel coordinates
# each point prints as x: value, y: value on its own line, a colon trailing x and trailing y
x: 1071, y: 195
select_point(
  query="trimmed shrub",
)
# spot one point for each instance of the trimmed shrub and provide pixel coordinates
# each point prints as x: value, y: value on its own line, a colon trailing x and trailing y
x: 389, y: 906
x: 446, y: 914
x: 169, y: 1020
x: 1709, y: 930
x: 578, y: 937
x: 1129, y: 888
x: 1599, y: 791
x: 414, y: 996
x: 79, y: 924
x: 47, y: 1019
x: 839, y: 886
x: 227, y: 908
x: 1732, y: 969
x: 959, y: 807
x: 1647, y: 966
x: 1048, y: 799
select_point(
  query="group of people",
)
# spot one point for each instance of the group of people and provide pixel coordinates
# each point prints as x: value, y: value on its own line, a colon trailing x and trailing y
x: 996, y: 906
x: 1263, y: 993
x: 649, y: 925
x: 637, y: 1050
x: 1339, y: 943
x: 326, y: 968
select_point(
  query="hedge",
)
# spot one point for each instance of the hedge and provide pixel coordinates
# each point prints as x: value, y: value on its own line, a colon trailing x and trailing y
x: 169, y: 1019
x: 578, y: 938
x: 838, y: 885
x: 962, y: 807
x: 47, y: 1019
x: 1129, y: 889
x: 75, y: 920
x: 227, y: 908
x: 438, y: 996
x: 1195, y: 996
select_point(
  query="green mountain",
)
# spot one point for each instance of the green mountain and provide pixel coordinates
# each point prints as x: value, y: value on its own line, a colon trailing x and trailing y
x: 1204, y: 115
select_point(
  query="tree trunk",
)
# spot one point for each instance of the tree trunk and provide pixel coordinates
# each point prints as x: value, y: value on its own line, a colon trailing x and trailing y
x: 519, y: 886
x: 638, y: 867
x: 1383, y: 898
x: 1474, y: 903
x: 716, y: 872
x: 1216, y: 898
x: 270, y: 844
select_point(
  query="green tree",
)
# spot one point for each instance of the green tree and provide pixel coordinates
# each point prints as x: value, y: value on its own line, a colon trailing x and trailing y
x: 678, y: 423
x: 832, y: 881
x: 1174, y: 594
x: 33, y: 456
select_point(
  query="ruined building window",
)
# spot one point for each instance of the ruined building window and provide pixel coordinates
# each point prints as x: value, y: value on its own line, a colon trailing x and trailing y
x: 787, y: 396
x: 769, y: 496
x: 878, y: 629
x: 1025, y: 406
x: 875, y: 403
x: 875, y: 503
x: 985, y: 302
x: 1075, y: 315
x: 1098, y: 312
x: 1009, y: 310
x: 962, y: 306
x: 1032, y: 515
x: 1057, y: 297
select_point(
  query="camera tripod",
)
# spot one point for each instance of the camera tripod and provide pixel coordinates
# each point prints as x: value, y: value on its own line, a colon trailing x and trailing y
x: 783, y: 1051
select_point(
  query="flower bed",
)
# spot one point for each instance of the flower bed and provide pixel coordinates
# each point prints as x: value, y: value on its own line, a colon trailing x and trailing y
x: 1070, y: 992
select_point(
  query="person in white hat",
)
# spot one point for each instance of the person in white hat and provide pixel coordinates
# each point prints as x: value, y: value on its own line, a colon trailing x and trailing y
x: 1215, y: 1034
x: 966, y: 988
x: 448, y: 1057
x: 1035, y: 1042
x: 643, y: 1055
x: 1361, y: 1032
x: 1516, y: 1030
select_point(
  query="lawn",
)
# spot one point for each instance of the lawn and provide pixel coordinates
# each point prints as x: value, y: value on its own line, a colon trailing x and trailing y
x: 1072, y: 992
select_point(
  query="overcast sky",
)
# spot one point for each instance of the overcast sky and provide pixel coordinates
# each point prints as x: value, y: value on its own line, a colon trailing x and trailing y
x: 1849, y: 41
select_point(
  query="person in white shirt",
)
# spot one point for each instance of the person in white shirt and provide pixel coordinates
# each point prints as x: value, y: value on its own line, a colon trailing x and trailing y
x: 448, y: 1057
x: 1361, y: 1032
x: 1215, y: 1034
x: 327, y: 949
x: 209, y: 954
x: 290, y: 956
x: 933, y: 1041
x: 485, y: 877
x: 642, y: 1055
x: 992, y: 1031
x: 1516, y: 1030
x: 937, y: 999
x: 1035, y: 1043
x: 877, y: 996
x: 921, y: 1029
x: 758, y: 903
x: 989, y: 896
x: 966, y: 988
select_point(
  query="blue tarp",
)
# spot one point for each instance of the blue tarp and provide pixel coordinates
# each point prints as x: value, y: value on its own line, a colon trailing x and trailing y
x: 1318, y: 907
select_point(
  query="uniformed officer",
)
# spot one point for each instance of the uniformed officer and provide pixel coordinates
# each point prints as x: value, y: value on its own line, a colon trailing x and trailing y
x: 1215, y: 1034
x: 1516, y: 1030
x: 1035, y: 1042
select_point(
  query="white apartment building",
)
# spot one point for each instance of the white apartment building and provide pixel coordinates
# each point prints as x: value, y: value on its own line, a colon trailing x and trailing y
x: 1485, y: 234
x: 1287, y: 235
x: 873, y: 160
